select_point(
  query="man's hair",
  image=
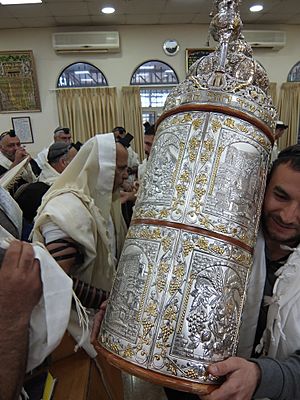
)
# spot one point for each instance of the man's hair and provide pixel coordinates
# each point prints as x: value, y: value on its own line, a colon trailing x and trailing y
x: 57, y: 151
x: 149, y: 129
x: 61, y: 130
x: 119, y: 129
x: 290, y: 155
x: 11, y: 133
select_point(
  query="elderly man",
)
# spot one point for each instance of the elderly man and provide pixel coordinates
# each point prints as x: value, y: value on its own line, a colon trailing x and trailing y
x: 133, y: 158
x: 29, y: 196
x: 60, y: 155
x: 60, y: 135
x: 12, y: 154
x: 80, y: 219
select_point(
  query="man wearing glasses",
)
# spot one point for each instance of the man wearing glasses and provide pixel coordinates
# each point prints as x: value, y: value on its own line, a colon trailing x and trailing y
x: 11, y: 155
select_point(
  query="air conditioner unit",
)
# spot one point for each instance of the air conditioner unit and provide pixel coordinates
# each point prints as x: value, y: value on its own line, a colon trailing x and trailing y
x: 89, y: 42
x: 274, y: 40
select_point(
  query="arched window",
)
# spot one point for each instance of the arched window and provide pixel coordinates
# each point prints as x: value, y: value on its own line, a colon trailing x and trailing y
x: 156, y: 80
x: 81, y: 74
x: 294, y: 74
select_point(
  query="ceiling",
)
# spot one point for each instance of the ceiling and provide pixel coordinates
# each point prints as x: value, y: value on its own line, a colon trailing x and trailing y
x: 57, y: 13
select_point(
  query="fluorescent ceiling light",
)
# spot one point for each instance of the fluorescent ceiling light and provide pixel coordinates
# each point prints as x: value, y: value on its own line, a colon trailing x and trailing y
x: 256, y: 8
x: 108, y: 10
x: 147, y: 67
x: 9, y: 2
x: 81, y: 72
x: 86, y: 80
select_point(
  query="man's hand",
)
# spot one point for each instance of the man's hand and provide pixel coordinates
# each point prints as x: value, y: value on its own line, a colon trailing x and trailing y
x: 20, y: 154
x: 97, y: 321
x: 20, y: 290
x: 242, y: 378
x: 20, y: 282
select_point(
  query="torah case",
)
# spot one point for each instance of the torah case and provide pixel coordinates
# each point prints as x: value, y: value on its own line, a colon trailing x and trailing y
x: 177, y: 299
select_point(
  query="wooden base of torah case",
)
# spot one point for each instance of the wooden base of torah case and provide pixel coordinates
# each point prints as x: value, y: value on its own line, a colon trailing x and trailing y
x: 177, y: 299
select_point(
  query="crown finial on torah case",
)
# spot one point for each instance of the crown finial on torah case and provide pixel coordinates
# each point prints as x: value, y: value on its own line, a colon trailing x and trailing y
x: 177, y: 300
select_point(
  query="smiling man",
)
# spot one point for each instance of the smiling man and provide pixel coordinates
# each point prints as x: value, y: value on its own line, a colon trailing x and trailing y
x: 270, y: 331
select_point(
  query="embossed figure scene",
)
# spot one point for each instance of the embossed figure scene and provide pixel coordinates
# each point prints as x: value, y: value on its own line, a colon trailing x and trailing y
x: 125, y: 321
x: 213, y: 311
x: 160, y: 174
x: 234, y: 193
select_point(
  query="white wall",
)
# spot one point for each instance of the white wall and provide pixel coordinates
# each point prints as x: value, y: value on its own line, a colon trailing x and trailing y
x: 138, y: 44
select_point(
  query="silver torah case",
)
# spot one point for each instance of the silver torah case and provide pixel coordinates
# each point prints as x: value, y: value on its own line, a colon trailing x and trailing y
x: 177, y: 299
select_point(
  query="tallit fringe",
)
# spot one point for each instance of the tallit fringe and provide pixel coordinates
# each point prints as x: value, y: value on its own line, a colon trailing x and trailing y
x: 24, y: 395
x: 83, y: 319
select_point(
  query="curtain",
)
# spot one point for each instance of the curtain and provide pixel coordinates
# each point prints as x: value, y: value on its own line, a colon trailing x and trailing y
x: 132, y: 117
x: 289, y: 112
x: 87, y: 111
x: 273, y: 92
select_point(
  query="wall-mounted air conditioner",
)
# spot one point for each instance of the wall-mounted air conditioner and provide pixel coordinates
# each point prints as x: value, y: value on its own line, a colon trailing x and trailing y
x: 274, y: 40
x: 89, y: 42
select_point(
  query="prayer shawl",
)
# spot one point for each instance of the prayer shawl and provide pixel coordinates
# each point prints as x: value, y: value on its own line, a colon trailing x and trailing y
x: 81, y: 204
x: 282, y: 334
x: 26, y: 172
x: 48, y: 174
x: 42, y: 157
x: 11, y: 209
x: 49, y: 318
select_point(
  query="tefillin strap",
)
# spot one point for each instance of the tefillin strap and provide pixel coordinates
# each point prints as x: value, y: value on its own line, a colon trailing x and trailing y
x: 66, y: 245
x: 88, y: 295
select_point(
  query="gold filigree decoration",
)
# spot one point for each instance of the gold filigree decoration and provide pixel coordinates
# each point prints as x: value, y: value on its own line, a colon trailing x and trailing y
x: 147, y: 326
x: 242, y: 128
x: 229, y: 122
x: 187, y: 247
x: 161, y: 276
x: 199, y: 193
x: 217, y: 249
x: 171, y: 368
x: 164, y: 267
x: 150, y: 214
x: 197, y: 123
x: 128, y: 352
x: 185, y: 176
x: 209, y: 144
x: 176, y: 281
x: 181, y: 189
x: 202, y: 243
x: 166, y: 244
x: 164, y: 213
x: 216, y: 125
x: 166, y: 331
x: 149, y: 234
x: 204, y: 221
x: 193, y: 148
x: 187, y: 118
x: 191, y: 373
x: 201, y: 179
x: 221, y: 228
x: 170, y: 313
x: 151, y: 309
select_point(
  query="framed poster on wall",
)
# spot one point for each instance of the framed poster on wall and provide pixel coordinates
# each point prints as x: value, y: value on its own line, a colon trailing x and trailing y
x: 22, y: 128
x: 18, y: 82
x: 192, y: 55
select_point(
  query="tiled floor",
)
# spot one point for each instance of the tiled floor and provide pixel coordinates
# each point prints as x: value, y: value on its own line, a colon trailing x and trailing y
x: 137, y: 389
